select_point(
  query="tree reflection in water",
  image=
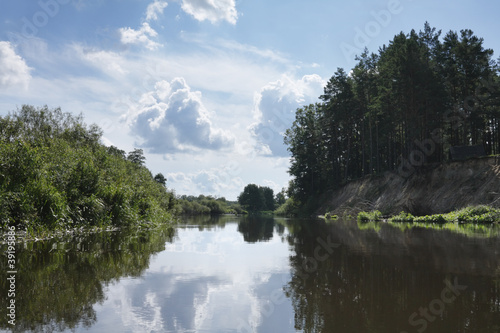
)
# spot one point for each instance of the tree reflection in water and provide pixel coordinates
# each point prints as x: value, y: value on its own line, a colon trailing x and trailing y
x: 377, y: 278
x: 59, y: 281
x: 373, y: 280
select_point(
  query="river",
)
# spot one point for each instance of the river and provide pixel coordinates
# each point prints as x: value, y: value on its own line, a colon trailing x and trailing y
x: 249, y: 274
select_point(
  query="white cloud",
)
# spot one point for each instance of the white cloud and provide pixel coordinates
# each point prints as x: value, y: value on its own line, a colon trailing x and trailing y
x: 13, y: 68
x: 211, y: 10
x: 275, y: 107
x: 172, y: 118
x: 141, y: 36
x: 154, y: 9
x: 213, y: 181
x: 145, y: 33
x: 227, y: 45
x: 110, y: 63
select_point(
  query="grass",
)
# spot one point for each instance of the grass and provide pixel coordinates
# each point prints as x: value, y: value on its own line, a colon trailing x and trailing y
x: 329, y: 216
x: 374, y: 215
x: 474, y: 214
x: 402, y: 217
x: 470, y: 215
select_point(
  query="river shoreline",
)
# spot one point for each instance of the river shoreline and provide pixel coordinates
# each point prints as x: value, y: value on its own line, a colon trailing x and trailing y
x: 23, y: 236
x: 435, y: 189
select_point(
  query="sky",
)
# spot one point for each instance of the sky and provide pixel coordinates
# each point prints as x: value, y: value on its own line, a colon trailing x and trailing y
x: 205, y: 87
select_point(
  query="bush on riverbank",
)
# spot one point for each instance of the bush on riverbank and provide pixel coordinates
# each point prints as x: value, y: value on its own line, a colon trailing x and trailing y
x: 402, y: 217
x: 369, y: 216
x: 476, y: 214
x: 55, y: 173
x: 289, y: 209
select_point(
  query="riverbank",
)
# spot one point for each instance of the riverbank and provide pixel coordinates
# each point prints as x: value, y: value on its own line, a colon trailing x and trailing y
x: 476, y: 215
x: 57, y: 175
x: 435, y: 189
x: 23, y: 236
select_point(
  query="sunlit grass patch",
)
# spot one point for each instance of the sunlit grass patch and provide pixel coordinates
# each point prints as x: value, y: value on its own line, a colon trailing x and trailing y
x: 370, y: 216
x: 402, y: 217
x: 474, y: 214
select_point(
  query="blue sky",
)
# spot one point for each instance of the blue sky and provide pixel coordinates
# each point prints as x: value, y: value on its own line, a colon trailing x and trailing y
x: 205, y: 87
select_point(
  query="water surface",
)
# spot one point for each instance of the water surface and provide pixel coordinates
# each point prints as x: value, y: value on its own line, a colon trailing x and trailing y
x: 244, y: 274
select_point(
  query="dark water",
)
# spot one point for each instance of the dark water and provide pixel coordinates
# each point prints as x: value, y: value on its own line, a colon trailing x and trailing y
x: 233, y: 274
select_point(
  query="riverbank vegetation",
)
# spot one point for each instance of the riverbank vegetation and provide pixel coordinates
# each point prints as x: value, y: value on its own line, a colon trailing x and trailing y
x: 56, y: 174
x: 77, y: 268
x: 397, y: 110
x: 207, y: 205
x: 262, y: 200
x: 477, y: 215
x: 257, y: 198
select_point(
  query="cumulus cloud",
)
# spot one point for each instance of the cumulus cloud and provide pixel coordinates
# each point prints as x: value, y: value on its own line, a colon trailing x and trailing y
x: 141, y: 36
x: 212, y: 181
x: 172, y: 118
x: 154, y: 9
x: 13, y: 68
x: 211, y: 10
x: 275, y: 107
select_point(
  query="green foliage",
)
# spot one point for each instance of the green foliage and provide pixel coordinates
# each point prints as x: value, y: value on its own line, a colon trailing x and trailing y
x: 289, y: 208
x: 396, y: 111
x: 257, y: 198
x: 268, y: 195
x: 329, y: 216
x: 369, y: 216
x: 160, y: 178
x: 70, y: 273
x: 191, y: 205
x: 402, y: 217
x: 136, y: 156
x: 280, y: 197
x: 436, y: 218
x: 475, y: 215
x: 54, y: 173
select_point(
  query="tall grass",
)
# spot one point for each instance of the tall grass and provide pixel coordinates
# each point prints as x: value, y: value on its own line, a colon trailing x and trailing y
x: 55, y: 174
x: 369, y: 216
x: 475, y: 214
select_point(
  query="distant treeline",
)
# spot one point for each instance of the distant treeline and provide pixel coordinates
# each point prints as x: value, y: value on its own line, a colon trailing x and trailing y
x: 398, y: 109
x: 55, y: 174
x: 253, y: 199
x: 200, y: 205
x: 256, y: 198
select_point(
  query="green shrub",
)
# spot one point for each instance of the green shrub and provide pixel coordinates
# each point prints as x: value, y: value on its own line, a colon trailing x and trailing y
x: 369, y: 216
x: 437, y: 218
x: 329, y: 216
x: 54, y: 173
x: 289, y: 208
x: 402, y: 217
x: 476, y: 215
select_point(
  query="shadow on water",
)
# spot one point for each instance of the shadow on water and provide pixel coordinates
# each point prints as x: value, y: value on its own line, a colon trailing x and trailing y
x: 387, y: 279
x: 58, y: 282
